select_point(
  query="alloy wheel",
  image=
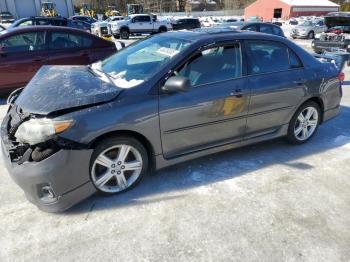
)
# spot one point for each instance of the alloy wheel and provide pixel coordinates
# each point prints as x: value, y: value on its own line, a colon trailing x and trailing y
x: 116, y: 168
x: 306, y: 123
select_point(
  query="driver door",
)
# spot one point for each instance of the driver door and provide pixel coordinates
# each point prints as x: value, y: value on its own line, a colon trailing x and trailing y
x: 21, y: 56
x: 213, y: 112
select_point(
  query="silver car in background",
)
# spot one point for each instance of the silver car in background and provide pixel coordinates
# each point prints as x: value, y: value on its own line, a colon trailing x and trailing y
x: 308, y: 29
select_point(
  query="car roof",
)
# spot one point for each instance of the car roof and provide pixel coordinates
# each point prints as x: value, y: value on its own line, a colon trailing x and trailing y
x: 203, y: 34
x: 25, y: 29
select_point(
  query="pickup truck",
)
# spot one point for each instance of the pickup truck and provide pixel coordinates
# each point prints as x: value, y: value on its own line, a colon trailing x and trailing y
x: 138, y: 24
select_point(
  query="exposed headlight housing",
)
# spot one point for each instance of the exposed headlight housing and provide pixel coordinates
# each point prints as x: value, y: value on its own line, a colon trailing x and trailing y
x: 35, y: 131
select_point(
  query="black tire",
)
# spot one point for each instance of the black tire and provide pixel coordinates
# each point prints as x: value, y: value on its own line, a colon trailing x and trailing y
x: 292, y: 138
x: 116, y: 36
x: 124, y: 33
x: 162, y: 29
x: 120, y: 140
x: 311, y: 35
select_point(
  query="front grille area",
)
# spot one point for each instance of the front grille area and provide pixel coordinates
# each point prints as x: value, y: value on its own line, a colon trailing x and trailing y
x: 333, y: 38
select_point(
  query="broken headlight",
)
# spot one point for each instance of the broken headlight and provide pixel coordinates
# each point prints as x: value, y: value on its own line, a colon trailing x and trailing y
x: 35, y: 131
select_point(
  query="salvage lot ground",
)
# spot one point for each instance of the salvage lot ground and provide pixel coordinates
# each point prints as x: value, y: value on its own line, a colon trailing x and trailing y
x: 268, y: 202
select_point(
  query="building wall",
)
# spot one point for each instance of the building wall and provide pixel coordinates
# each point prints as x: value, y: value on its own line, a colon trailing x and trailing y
x: 265, y: 9
x: 33, y: 7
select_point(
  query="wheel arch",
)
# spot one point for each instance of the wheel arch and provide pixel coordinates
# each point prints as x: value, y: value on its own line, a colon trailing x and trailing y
x: 124, y: 28
x: 319, y: 102
x: 141, y: 138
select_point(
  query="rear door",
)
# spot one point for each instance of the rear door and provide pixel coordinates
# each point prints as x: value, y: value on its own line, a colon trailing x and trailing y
x: 23, y: 55
x: 214, y: 111
x: 68, y: 48
x: 276, y: 78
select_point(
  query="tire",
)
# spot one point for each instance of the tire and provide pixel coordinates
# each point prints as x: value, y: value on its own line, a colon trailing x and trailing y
x: 311, y: 35
x: 112, y: 170
x: 124, y: 34
x: 116, y: 36
x: 162, y: 29
x: 297, y: 129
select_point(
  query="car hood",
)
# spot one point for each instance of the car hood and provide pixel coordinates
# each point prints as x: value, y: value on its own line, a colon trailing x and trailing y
x: 57, y: 88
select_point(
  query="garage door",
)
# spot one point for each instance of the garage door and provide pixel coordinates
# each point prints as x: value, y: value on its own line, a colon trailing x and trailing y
x: 25, y: 8
x: 61, y: 7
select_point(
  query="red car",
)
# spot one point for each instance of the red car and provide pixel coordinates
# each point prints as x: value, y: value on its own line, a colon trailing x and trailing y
x: 24, y: 50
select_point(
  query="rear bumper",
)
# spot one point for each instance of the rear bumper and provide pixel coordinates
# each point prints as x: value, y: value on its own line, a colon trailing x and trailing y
x: 56, y: 183
x: 331, y: 113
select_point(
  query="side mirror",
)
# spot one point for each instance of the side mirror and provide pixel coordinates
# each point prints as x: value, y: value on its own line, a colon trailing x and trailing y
x: 177, y: 84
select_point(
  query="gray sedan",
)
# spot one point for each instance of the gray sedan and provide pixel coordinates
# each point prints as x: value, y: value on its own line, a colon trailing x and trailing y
x: 77, y: 130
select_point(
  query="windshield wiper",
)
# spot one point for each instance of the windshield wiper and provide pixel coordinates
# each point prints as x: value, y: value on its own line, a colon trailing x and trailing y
x: 93, y: 71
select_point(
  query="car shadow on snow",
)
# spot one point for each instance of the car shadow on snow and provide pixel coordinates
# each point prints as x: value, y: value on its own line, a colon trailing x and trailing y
x: 172, y: 182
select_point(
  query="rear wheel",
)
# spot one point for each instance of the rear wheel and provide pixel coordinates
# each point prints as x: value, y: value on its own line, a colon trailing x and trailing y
x: 116, y: 36
x: 304, y: 123
x: 162, y: 29
x: 118, y: 164
x: 311, y: 35
x: 124, y: 34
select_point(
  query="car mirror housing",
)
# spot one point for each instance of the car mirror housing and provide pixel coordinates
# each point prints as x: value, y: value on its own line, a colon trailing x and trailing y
x: 176, y: 84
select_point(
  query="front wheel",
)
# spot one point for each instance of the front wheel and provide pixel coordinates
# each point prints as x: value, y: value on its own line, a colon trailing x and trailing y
x: 118, y: 164
x: 304, y: 123
x: 163, y: 29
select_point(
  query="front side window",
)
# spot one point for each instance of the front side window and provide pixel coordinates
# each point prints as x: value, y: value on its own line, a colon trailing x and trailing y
x: 33, y: 41
x: 142, y: 60
x: 137, y: 19
x: 267, y: 57
x: 277, y: 31
x: 61, y: 40
x: 213, y: 65
x: 145, y: 18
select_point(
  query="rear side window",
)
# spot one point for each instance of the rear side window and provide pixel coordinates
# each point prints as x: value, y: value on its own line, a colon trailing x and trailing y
x: 213, y: 65
x: 251, y: 28
x: 61, y: 40
x: 26, y: 42
x: 294, y: 60
x: 277, y: 31
x: 266, y: 29
x: 266, y: 57
x: 145, y: 19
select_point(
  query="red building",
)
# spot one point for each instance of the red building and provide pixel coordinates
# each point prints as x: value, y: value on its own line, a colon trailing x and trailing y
x: 285, y: 9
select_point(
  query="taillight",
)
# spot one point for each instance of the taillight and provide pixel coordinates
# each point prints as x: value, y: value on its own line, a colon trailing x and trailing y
x: 341, y: 76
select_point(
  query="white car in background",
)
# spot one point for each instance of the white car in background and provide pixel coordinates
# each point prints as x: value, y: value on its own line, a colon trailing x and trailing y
x: 139, y: 24
x: 100, y: 28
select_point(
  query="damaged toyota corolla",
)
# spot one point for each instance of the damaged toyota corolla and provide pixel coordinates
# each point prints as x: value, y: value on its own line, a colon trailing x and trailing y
x: 77, y: 130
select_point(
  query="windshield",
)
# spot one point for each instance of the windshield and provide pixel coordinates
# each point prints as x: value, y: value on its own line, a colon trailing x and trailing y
x: 337, y: 21
x: 139, y: 62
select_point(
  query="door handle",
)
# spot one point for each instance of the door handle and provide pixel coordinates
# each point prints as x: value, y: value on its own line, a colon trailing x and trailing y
x: 237, y: 93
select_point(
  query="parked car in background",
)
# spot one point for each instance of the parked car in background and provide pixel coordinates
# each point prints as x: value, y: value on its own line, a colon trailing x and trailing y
x: 78, y: 24
x: 308, y: 29
x: 186, y: 23
x: 337, y: 37
x: 266, y: 28
x: 40, y: 20
x: 6, y: 18
x: 101, y: 28
x: 24, y: 50
x: 87, y: 19
x: 164, y: 100
x: 139, y: 24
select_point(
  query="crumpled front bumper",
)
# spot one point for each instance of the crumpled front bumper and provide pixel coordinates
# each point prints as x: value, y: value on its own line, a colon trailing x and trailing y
x: 56, y: 183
